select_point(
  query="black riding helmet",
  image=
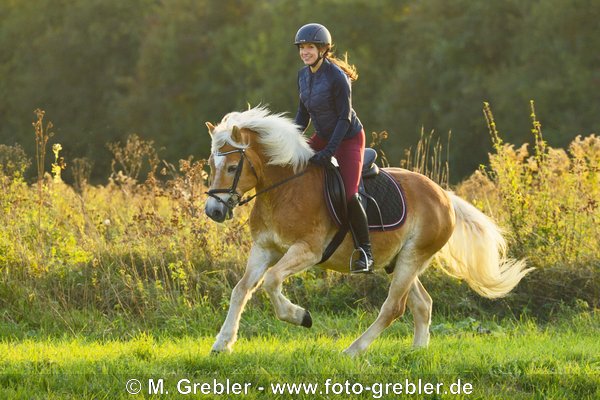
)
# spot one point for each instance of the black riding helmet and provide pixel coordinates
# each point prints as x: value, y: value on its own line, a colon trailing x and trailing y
x: 313, y: 33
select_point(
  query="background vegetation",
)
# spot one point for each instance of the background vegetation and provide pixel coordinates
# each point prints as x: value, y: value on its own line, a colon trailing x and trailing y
x: 141, y: 247
x: 104, y: 69
x: 109, y: 266
x: 102, y: 284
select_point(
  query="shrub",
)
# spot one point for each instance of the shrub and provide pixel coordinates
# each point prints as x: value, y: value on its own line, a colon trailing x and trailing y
x: 13, y: 161
x: 130, y: 248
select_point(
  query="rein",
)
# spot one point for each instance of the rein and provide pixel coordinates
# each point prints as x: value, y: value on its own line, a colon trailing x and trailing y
x: 235, y: 199
x: 273, y: 186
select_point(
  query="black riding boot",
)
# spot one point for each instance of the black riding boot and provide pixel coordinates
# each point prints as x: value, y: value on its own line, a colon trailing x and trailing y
x: 360, y: 230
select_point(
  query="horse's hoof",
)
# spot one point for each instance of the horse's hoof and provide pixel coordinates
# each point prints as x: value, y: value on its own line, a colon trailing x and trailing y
x: 218, y: 350
x: 350, y: 353
x: 307, y: 320
x: 215, y: 353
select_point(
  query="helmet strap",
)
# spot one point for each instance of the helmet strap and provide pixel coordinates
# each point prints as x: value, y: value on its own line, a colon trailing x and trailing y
x: 321, y: 56
x: 316, y: 62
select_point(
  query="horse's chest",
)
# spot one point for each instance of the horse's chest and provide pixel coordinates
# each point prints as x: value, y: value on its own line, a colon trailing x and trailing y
x: 281, y: 230
x: 273, y: 241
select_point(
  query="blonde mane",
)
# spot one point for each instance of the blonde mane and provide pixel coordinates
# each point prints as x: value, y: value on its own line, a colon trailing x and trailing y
x: 281, y: 138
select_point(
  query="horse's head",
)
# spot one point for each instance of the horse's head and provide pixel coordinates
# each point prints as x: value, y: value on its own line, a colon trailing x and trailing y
x: 244, y: 146
x: 232, y: 166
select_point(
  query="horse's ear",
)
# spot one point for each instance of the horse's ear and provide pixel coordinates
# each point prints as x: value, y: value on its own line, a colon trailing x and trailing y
x: 236, y: 134
x: 210, y: 127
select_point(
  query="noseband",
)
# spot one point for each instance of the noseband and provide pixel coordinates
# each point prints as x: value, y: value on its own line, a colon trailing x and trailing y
x: 234, y: 197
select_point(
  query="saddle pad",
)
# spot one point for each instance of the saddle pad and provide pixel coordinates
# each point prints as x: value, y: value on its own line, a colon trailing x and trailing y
x: 386, y: 205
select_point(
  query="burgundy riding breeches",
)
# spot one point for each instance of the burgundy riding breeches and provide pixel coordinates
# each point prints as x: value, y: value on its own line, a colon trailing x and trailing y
x: 349, y: 156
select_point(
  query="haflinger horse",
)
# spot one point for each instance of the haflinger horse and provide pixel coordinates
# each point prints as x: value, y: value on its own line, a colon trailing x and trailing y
x: 291, y: 226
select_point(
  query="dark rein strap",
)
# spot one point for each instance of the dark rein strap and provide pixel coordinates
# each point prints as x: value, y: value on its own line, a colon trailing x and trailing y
x: 234, y: 199
x: 275, y: 185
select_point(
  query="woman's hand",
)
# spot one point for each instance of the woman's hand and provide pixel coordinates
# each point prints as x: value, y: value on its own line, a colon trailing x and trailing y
x: 322, y: 158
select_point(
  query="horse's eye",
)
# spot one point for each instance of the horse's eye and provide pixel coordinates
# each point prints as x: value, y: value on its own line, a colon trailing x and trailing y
x: 231, y: 169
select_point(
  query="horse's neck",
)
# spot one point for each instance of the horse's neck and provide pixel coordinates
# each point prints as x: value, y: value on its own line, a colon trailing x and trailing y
x: 272, y: 175
x: 278, y: 189
x: 292, y: 203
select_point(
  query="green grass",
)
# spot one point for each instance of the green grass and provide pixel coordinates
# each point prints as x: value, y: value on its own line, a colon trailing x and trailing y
x: 502, y: 360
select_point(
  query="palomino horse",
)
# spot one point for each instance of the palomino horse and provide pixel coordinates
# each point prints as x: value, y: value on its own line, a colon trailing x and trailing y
x: 291, y: 227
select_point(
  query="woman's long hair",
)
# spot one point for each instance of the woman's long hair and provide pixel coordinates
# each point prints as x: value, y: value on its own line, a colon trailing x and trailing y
x: 349, y: 69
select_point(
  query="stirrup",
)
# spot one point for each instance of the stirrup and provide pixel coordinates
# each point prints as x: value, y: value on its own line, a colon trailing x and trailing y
x: 367, y: 269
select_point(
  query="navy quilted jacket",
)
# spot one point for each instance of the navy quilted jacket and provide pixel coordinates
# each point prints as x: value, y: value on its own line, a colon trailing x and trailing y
x: 326, y: 100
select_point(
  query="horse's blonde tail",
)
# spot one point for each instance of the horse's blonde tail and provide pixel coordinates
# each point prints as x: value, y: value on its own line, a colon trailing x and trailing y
x: 476, y: 252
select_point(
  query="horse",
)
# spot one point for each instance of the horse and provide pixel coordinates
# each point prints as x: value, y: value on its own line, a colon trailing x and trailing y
x: 290, y: 227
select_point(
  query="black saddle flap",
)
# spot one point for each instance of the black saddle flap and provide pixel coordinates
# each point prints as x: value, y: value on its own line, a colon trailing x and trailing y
x: 335, y: 193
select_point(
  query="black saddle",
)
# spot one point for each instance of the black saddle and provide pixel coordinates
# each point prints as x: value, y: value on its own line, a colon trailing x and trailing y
x: 382, y: 198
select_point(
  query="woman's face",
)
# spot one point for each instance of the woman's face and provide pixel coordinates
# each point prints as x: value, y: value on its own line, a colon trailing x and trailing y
x: 309, y: 53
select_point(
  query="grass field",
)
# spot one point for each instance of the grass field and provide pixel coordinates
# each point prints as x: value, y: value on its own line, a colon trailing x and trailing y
x: 501, y: 360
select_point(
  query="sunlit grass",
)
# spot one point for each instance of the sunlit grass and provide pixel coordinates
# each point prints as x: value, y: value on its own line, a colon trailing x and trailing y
x: 519, y: 360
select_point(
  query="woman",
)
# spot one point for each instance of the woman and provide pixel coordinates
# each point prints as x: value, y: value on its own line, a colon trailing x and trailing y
x: 326, y: 101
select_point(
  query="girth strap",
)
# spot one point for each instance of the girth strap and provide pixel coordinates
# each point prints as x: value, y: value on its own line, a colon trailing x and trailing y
x: 334, y: 244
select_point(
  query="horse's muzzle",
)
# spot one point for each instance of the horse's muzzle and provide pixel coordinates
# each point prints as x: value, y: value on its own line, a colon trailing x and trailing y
x: 217, y: 211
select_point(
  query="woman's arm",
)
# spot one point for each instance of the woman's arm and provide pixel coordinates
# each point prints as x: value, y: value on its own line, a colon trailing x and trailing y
x: 302, y: 117
x: 342, y: 93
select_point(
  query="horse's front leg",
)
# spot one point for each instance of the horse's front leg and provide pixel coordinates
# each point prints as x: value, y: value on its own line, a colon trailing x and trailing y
x: 298, y: 258
x: 258, y: 262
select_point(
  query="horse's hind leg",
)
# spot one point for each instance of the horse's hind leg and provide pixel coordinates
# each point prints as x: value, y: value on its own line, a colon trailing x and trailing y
x: 298, y: 258
x: 410, y: 263
x: 419, y: 303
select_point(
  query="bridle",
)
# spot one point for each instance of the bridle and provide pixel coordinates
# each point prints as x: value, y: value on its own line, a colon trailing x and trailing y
x: 234, y: 198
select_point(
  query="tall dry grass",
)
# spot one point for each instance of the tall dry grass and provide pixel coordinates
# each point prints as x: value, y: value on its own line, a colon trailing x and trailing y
x: 142, y: 240
x: 547, y: 198
x: 126, y: 246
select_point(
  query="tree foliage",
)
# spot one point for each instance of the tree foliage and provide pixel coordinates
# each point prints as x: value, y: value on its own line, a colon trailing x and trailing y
x: 104, y: 69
